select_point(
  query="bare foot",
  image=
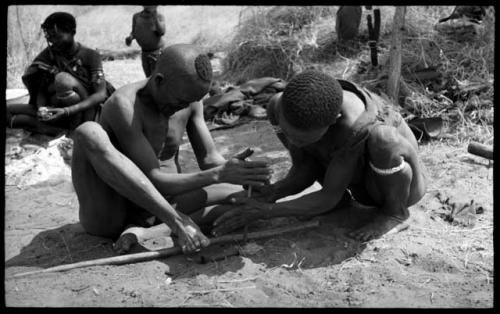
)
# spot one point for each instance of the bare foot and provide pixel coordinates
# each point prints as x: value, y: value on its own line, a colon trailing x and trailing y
x: 138, y: 235
x: 380, y: 225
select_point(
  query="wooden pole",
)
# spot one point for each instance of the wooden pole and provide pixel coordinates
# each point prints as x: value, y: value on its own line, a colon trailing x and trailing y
x: 395, y: 54
x: 147, y: 256
x: 481, y: 150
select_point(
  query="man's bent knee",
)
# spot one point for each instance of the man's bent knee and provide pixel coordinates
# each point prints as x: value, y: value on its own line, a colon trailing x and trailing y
x: 91, y: 136
x: 63, y: 81
x: 66, y: 85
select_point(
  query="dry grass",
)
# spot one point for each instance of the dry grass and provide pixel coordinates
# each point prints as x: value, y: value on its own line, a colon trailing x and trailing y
x: 465, y: 61
x: 281, y: 41
x: 271, y: 41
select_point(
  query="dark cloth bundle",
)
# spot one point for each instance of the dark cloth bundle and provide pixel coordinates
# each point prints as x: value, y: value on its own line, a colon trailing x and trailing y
x: 249, y: 98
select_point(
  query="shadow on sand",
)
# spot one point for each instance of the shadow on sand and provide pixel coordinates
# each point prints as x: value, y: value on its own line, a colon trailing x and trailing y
x: 318, y: 247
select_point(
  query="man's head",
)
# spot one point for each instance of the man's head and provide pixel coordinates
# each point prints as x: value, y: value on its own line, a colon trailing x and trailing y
x: 150, y: 8
x: 310, y: 103
x: 182, y: 75
x: 59, y: 29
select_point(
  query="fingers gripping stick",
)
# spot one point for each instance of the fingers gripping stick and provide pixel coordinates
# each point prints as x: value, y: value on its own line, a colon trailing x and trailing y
x: 244, y: 154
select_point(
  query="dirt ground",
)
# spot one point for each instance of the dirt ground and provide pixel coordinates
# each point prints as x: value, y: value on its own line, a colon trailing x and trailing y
x: 433, y: 263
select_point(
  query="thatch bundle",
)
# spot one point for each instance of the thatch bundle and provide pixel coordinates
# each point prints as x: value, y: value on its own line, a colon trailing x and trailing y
x: 269, y: 42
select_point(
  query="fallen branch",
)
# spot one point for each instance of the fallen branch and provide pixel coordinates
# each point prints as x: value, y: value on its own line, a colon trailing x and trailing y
x: 147, y: 256
x: 425, y: 74
x: 221, y: 290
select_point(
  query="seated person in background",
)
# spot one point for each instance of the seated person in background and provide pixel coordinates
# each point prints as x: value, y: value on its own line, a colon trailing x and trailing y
x: 349, y: 140
x: 121, y: 188
x: 65, y: 82
x: 148, y: 28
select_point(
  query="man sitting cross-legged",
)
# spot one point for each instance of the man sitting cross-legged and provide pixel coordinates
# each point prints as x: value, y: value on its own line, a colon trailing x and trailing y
x: 349, y: 140
x: 115, y: 167
x: 65, y: 82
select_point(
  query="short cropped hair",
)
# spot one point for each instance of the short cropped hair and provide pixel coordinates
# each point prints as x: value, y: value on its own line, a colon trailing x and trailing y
x: 312, y: 99
x: 64, y: 21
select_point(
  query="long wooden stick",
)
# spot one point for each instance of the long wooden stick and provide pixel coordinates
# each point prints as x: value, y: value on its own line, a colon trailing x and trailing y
x: 147, y: 256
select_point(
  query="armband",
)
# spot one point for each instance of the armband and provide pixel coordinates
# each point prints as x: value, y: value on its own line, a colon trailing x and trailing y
x: 387, y: 172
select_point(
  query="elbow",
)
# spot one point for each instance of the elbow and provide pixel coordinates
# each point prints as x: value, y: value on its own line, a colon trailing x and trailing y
x: 325, y: 202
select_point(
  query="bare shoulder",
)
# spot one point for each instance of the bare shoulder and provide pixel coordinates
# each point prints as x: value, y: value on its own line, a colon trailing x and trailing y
x: 352, y: 108
x: 196, y: 106
x: 272, y: 108
x: 118, y: 102
x: 121, y: 104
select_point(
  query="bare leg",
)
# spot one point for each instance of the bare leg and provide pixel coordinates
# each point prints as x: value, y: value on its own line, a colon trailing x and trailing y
x: 200, y: 204
x: 146, y: 63
x: 102, y: 210
x: 23, y: 116
x: 102, y: 205
x: 70, y: 91
x: 394, y: 193
x: 32, y: 124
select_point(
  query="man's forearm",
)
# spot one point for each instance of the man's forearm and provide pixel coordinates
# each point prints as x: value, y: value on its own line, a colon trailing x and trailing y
x: 308, y: 205
x: 292, y: 184
x: 92, y: 101
x: 170, y: 184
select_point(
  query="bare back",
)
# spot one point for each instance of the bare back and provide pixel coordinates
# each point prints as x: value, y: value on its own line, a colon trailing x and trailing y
x: 145, y: 32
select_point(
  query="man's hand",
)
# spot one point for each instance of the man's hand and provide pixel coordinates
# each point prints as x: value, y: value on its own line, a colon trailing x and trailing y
x: 265, y: 193
x: 247, y: 211
x: 53, y: 114
x: 235, y: 171
x: 128, y: 40
x: 191, y: 239
x: 241, y: 172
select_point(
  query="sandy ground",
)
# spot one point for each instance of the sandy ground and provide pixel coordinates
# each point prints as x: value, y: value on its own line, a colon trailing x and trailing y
x: 433, y: 263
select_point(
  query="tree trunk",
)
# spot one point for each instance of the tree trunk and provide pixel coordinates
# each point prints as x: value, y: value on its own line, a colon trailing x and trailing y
x: 23, y: 40
x: 395, y: 56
